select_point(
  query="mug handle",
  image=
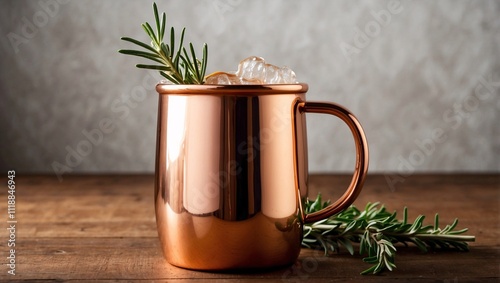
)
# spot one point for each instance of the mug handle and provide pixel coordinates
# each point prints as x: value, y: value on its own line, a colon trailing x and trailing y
x: 361, y: 166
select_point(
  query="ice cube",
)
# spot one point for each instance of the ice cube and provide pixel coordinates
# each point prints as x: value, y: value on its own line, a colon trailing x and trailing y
x: 222, y: 78
x: 254, y: 70
x: 287, y: 76
x: 271, y: 75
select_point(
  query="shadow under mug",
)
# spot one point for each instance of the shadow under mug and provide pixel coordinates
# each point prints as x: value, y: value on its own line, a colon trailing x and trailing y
x: 231, y: 173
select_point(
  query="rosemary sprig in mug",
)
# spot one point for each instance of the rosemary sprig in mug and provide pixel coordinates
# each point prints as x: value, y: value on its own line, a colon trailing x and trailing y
x: 377, y: 230
x: 374, y: 228
x: 176, y: 66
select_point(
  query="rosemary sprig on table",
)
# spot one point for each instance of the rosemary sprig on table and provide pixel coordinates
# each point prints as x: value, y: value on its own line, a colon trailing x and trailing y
x: 377, y: 230
x: 175, y: 65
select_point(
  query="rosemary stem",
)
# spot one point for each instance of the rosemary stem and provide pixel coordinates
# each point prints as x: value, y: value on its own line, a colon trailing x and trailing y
x: 464, y: 238
x: 169, y: 63
x: 400, y: 235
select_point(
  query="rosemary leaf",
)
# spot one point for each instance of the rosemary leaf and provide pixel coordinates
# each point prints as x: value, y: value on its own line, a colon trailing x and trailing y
x: 153, y: 67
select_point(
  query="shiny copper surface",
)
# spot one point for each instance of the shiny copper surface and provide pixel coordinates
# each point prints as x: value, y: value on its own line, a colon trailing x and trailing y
x: 231, y: 173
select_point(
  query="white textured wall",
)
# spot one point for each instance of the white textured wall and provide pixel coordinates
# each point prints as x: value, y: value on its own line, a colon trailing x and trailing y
x: 426, y: 73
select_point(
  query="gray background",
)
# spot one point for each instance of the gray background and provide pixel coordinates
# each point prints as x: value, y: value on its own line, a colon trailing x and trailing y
x: 423, y: 80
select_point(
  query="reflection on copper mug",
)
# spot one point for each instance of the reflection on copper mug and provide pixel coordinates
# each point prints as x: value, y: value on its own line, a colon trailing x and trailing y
x: 231, y: 173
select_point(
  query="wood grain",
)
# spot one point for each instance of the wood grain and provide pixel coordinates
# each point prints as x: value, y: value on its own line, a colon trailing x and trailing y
x: 102, y: 227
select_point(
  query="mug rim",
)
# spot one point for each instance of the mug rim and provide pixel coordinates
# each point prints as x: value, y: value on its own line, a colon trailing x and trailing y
x: 213, y: 89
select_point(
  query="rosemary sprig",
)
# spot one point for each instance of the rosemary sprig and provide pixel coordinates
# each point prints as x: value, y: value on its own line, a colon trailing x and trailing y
x: 175, y: 64
x: 377, y: 230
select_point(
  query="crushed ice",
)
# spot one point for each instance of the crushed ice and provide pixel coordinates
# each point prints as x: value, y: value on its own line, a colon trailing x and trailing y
x: 254, y: 70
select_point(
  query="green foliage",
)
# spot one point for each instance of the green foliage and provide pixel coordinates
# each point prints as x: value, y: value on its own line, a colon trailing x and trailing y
x: 175, y: 64
x: 376, y: 231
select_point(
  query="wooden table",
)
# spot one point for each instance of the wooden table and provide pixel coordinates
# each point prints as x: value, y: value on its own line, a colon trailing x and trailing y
x: 103, y: 228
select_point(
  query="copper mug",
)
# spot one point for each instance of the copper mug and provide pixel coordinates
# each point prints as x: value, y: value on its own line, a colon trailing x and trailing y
x: 231, y: 173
